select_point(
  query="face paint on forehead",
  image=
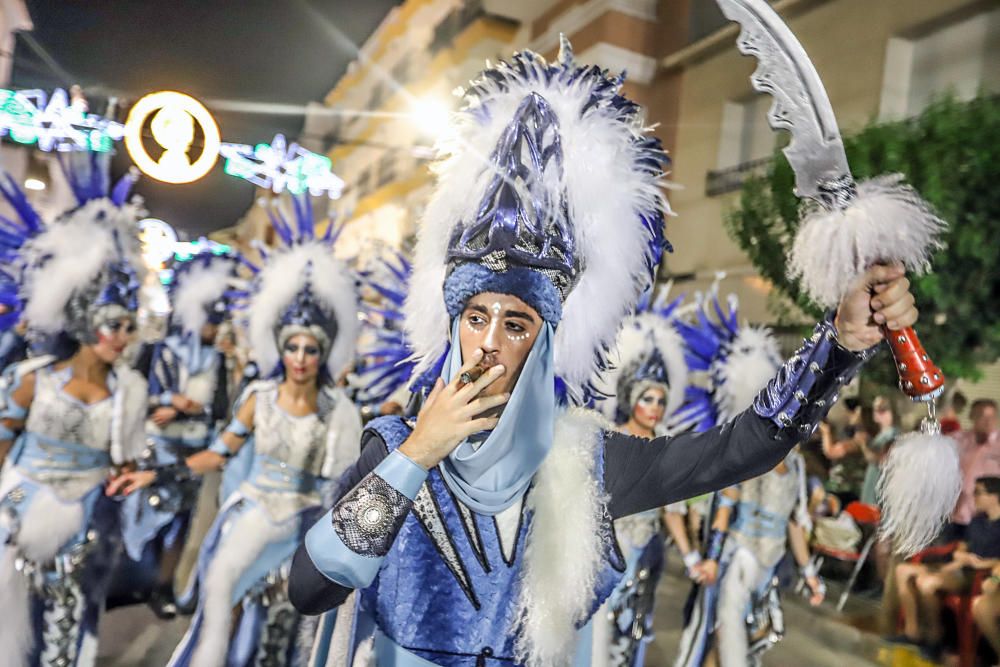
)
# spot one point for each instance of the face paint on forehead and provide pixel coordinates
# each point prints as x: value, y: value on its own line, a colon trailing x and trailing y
x: 496, y: 308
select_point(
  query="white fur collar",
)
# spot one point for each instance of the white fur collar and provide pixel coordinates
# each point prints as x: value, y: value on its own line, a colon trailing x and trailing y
x: 564, y: 551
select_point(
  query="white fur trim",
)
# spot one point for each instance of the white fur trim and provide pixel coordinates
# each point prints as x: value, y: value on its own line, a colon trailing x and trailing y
x: 564, y: 551
x: 603, y: 185
x: 343, y: 436
x: 244, y: 540
x: 77, y: 248
x: 46, y: 525
x: 888, y: 221
x: 283, y: 276
x: 200, y: 286
x: 917, y: 490
x: 128, y: 419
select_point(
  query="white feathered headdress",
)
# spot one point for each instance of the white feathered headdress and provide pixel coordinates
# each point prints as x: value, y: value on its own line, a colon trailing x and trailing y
x: 649, y: 349
x: 200, y: 289
x: 302, y: 285
x: 549, y: 189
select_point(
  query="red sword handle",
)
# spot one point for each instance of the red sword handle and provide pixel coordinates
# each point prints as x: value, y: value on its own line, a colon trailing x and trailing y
x: 919, y: 376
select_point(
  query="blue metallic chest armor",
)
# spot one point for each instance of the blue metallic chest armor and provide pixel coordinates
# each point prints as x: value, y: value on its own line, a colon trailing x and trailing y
x: 447, y: 591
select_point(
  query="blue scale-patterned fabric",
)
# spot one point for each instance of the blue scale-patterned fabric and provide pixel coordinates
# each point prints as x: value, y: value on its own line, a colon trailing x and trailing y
x: 419, y: 602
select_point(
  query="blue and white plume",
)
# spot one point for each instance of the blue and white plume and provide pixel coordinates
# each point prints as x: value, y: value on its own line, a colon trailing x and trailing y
x: 86, y: 262
x: 738, y: 360
x: 14, y: 233
x: 549, y: 189
x: 387, y: 359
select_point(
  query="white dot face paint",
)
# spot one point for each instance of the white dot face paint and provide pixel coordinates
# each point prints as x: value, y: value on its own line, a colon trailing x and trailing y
x: 496, y: 308
x: 523, y: 336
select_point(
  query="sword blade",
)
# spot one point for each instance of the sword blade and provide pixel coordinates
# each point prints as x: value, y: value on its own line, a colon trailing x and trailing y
x: 801, y: 106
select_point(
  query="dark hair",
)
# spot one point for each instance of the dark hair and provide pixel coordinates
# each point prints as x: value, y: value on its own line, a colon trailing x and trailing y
x: 867, y: 421
x: 959, y: 401
x: 981, y: 404
x: 852, y: 403
x: 991, y: 484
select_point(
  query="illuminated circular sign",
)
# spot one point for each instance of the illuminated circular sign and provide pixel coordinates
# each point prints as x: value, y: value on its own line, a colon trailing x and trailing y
x: 174, y: 117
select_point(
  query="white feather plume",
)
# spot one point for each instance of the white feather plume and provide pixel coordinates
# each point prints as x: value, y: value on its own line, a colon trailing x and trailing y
x: 918, y: 489
x: 283, y: 276
x: 72, y: 253
x: 887, y: 221
x: 605, y: 186
x: 753, y: 359
x: 200, y: 286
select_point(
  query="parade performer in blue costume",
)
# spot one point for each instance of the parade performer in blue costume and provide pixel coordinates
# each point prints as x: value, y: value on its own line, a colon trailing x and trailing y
x: 294, y: 430
x: 481, y: 532
x: 72, y: 418
x: 738, y: 360
x: 187, y: 398
x: 646, y: 388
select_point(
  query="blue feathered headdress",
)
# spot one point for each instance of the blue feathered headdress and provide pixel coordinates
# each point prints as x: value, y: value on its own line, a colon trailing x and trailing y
x: 87, y: 259
x: 301, y: 284
x: 201, y: 290
x: 549, y: 191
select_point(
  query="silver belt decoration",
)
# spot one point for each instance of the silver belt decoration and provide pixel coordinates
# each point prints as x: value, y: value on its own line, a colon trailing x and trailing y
x: 278, y: 633
x: 59, y: 583
x: 765, y: 622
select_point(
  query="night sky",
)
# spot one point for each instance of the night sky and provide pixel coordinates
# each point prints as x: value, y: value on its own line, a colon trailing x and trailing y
x: 256, y: 51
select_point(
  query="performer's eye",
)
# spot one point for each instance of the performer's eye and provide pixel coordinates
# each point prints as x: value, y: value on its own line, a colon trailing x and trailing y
x: 514, y: 328
x: 476, y: 320
x: 291, y: 348
x: 312, y: 351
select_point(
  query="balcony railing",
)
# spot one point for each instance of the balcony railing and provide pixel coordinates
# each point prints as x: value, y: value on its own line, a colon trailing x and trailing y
x: 720, y: 181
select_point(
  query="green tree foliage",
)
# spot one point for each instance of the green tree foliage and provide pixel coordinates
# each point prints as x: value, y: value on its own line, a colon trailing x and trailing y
x: 951, y: 155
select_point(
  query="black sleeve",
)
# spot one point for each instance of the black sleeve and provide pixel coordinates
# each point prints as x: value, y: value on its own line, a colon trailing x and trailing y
x: 308, y: 589
x: 642, y: 474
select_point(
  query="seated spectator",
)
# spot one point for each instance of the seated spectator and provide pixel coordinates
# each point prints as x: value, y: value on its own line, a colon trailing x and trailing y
x: 979, y: 456
x: 847, y: 469
x: 920, y: 585
x: 950, y: 418
x: 986, y: 610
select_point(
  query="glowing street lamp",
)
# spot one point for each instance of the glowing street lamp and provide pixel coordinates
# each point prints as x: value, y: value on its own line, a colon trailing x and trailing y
x: 431, y: 116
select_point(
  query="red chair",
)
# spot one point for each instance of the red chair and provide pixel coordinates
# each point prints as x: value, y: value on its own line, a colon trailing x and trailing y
x: 968, y: 631
x: 867, y: 517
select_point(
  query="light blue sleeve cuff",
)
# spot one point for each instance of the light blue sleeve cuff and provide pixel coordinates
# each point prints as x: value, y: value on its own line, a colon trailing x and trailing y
x: 238, y: 428
x: 219, y: 447
x: 343, y: 565
x: 13, y: 411
x: 6, y: 433
x: 166, y: 397
x: 402, y: 473
x: 335, y: 560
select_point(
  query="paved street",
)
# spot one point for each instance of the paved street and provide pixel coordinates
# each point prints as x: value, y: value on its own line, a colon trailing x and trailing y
x: 134, y: 637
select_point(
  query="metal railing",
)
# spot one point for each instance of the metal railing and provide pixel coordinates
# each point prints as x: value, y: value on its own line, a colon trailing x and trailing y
x: 720, y: 181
